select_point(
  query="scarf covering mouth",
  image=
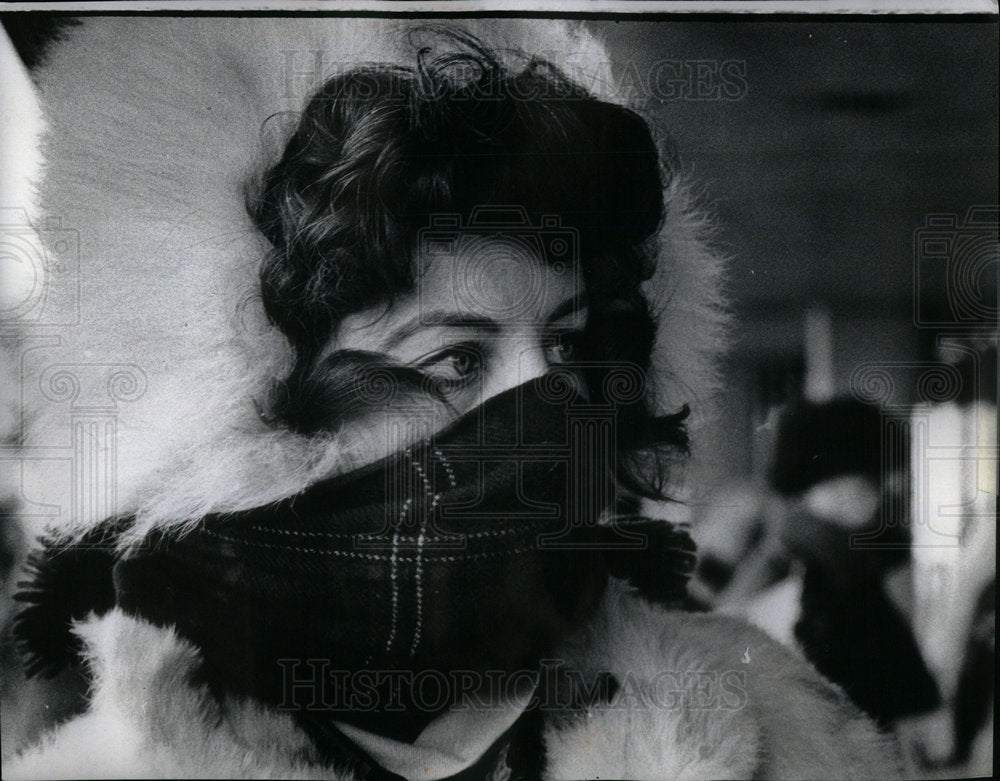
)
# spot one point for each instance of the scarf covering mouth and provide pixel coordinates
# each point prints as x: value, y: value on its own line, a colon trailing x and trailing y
x: 477, y: 549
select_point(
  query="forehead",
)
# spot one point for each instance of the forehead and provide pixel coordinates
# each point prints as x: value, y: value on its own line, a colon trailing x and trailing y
x: 508, y: 277
x: 506, y: 280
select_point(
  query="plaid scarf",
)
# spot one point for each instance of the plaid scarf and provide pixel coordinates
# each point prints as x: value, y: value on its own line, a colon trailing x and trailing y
x: 476, y: 550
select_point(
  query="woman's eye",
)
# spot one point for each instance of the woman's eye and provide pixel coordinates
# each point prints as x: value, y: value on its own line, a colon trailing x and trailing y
x: 454, y: 367
x: 563, y: 348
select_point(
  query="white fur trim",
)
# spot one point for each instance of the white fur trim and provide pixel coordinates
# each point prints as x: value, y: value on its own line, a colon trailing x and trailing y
x: 706, y: 696
x: 687, y: 295
x: 777, y: 718
x: 147, y: 720
x: 22, y: 276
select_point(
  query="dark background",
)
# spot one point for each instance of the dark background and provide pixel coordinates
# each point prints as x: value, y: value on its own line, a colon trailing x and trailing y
x: 822, y: 172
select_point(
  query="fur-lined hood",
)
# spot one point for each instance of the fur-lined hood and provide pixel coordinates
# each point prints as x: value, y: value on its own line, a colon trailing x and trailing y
x: 161, y: 339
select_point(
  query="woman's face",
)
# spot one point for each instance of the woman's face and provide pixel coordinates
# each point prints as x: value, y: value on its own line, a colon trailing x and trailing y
x: 481, y: 319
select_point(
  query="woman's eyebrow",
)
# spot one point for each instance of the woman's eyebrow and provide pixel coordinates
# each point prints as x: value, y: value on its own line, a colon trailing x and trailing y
x: 572, y: 305
x: 440, y: 318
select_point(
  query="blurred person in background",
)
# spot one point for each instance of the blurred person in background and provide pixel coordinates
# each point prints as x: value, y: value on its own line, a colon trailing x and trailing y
x: 819, y: 556
x: 844, y: 527
x: 822, y: 558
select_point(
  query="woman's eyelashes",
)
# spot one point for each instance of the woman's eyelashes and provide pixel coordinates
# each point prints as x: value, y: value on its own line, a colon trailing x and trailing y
x: 454, y: 367
x: 458, y: 366
x: 563, y: 347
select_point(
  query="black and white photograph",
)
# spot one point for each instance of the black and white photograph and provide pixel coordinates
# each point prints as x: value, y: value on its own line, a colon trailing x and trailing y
x: 498, y: 391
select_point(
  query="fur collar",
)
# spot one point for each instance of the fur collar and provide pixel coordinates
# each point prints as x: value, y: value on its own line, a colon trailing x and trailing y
x: 700, y: 697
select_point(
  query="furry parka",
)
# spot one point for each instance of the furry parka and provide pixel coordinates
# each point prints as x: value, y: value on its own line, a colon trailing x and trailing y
x: 138, y: 365
x: 744, y: 707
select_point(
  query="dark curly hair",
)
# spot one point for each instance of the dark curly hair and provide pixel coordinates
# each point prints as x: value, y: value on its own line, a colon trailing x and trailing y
x: 380, y: 148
